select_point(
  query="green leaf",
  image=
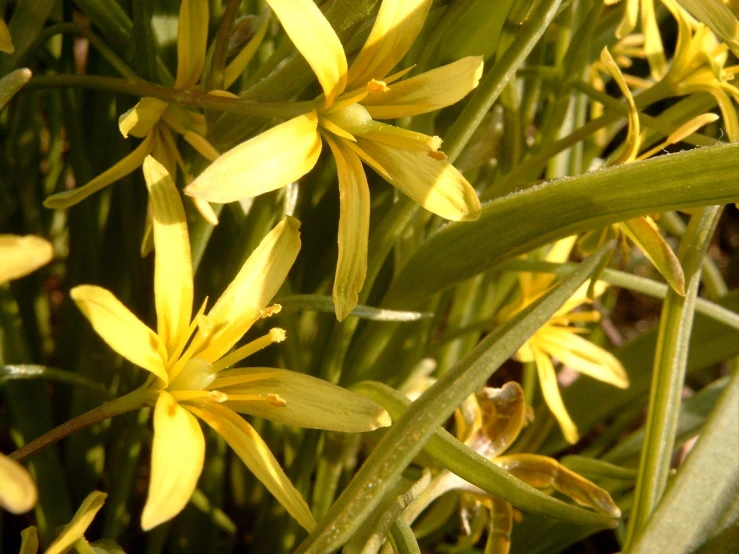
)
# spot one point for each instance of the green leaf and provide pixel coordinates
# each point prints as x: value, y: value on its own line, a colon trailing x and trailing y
x: 481, y: 472
x: 593, y: 468
x: 671, y: 359
x: 705, y: 485
x: 409, y: 434
x: 325, y: 304
x: 523, y: 221
x: 404, y: 542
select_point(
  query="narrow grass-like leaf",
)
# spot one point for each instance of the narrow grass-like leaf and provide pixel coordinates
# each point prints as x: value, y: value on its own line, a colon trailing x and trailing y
x: 700, y: 177
x: 325, y: 304
x: 409, y: 434
x: 481, y: 472
x: 598, y: 469
x: 404, y: 541
x: 671, y: 359
x: 704, y: 487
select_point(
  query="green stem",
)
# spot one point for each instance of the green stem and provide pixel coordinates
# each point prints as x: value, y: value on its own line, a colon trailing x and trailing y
x: 195, y: 99
x: 126, y: 403
x: 495, y: 81
x: 669, y: 375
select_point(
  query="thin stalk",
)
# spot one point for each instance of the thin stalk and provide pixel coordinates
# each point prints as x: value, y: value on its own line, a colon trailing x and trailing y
x: 495, y: 81
x: 671, y: 359
x: 126, y: 403
x: 195, y: 99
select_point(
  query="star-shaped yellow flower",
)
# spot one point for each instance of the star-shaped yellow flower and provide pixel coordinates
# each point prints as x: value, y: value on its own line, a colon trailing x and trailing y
x: 345, y: 117
x: 189, y: 360
x: 560, y: 340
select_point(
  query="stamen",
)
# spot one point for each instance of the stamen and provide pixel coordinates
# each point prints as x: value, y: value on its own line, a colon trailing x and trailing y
x: 375, y: 86
x: 274, y: 335
x: 272, y: 399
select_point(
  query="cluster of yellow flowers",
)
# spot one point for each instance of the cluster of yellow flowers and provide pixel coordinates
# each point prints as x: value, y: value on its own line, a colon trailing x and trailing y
x: 193, y: 368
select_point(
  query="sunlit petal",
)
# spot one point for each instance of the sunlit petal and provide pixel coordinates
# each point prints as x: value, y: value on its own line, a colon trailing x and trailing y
x: 127, y: 165
x: 173, y: 290
x: 22, y: 255
x: 254, y: 452
x: 354, y: 216
x: 396, y: 28
x: 428, y: 91
x: 177, y: 455
x: 308, y: 401
x: 17, y: 489
x: 632, y: 142
x: 316, y: 40
x: 550, y: 391
x: 192, y: 41
x: 76, y: 528
x: 269, y: 161
x: 434, y: 184
x: 582, y: 355
x: 122, y: 330
x: 139, y: 120
x: 647, y: 237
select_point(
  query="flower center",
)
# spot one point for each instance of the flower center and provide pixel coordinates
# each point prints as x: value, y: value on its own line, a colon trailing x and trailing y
x: 354, y: 119
x: 196, y: 375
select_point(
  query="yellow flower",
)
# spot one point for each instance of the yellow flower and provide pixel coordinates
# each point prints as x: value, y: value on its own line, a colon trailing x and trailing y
x: 188, y: 358
x: 698, y: 66
x: 157, y: 122
x: 72, y: 535
x: 488, y: 423
x: 6, y: 42
x: 22, y: 255
x: 345, y: 117
x: 559, y: 339
x: 17, y: 489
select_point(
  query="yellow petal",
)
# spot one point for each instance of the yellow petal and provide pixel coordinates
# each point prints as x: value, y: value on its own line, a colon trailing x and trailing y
x: 139, y: 120
x: 173, y: 289
x: 236, y: 67
x: 316, y: 40
x: 17, y: 489
x: 6, y: 43
x: 308, y: 401
x: 122, y: 330
x: 354, y: 216
x: 632, y: 138
x: 177, y: 456
x: 652, y: 41
x: 29, y: 541
x: 655, y: 248
x: 253, y: 288
x: 546, y: 473
x: 427, y: 92
x: 22, y: 255
x: 396, y: 28
x: 68, y: 198
x: 550, y: 391
x: 434, y: 184
x: 192, y: 41
x: 255, y: 453
x: 267, y: 162
x: 76, y: 528
x: 631, y: 14
x: 582, y: 355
